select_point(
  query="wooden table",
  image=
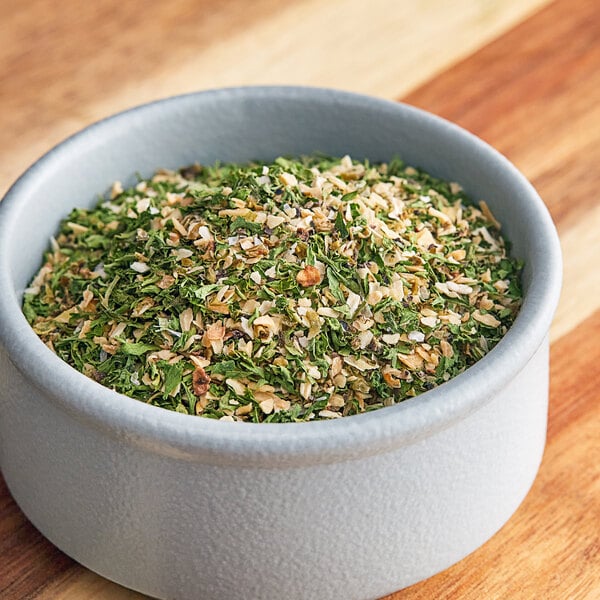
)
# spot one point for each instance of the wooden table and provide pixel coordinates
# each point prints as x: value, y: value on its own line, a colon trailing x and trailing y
x: 522, y: 74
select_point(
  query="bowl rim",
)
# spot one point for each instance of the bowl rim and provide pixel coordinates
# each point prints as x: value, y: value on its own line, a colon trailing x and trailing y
x: 285, y: 444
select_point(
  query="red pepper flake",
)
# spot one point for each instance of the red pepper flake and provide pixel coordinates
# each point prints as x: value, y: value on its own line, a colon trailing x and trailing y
x: 200, y: 381
x: 309, y: 276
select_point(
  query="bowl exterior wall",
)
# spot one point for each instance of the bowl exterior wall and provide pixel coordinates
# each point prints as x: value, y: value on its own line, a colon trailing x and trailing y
x: 359, y: 529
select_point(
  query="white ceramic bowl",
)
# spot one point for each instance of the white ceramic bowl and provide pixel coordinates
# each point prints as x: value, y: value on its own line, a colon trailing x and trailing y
x: 184, y: 507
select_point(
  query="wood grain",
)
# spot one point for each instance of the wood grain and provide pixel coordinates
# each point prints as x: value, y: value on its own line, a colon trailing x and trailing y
x: 28, y: 561
x: 66, y: 63
x: 534, y: 93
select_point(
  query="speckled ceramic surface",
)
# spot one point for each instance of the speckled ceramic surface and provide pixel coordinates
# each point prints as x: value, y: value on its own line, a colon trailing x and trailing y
x: 183, y: 507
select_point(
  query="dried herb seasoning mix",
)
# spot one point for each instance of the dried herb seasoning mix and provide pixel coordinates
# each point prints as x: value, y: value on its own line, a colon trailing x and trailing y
x: 302, y: 289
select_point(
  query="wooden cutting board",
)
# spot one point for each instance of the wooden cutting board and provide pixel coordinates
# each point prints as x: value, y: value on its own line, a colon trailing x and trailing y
x: 524, y: 76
